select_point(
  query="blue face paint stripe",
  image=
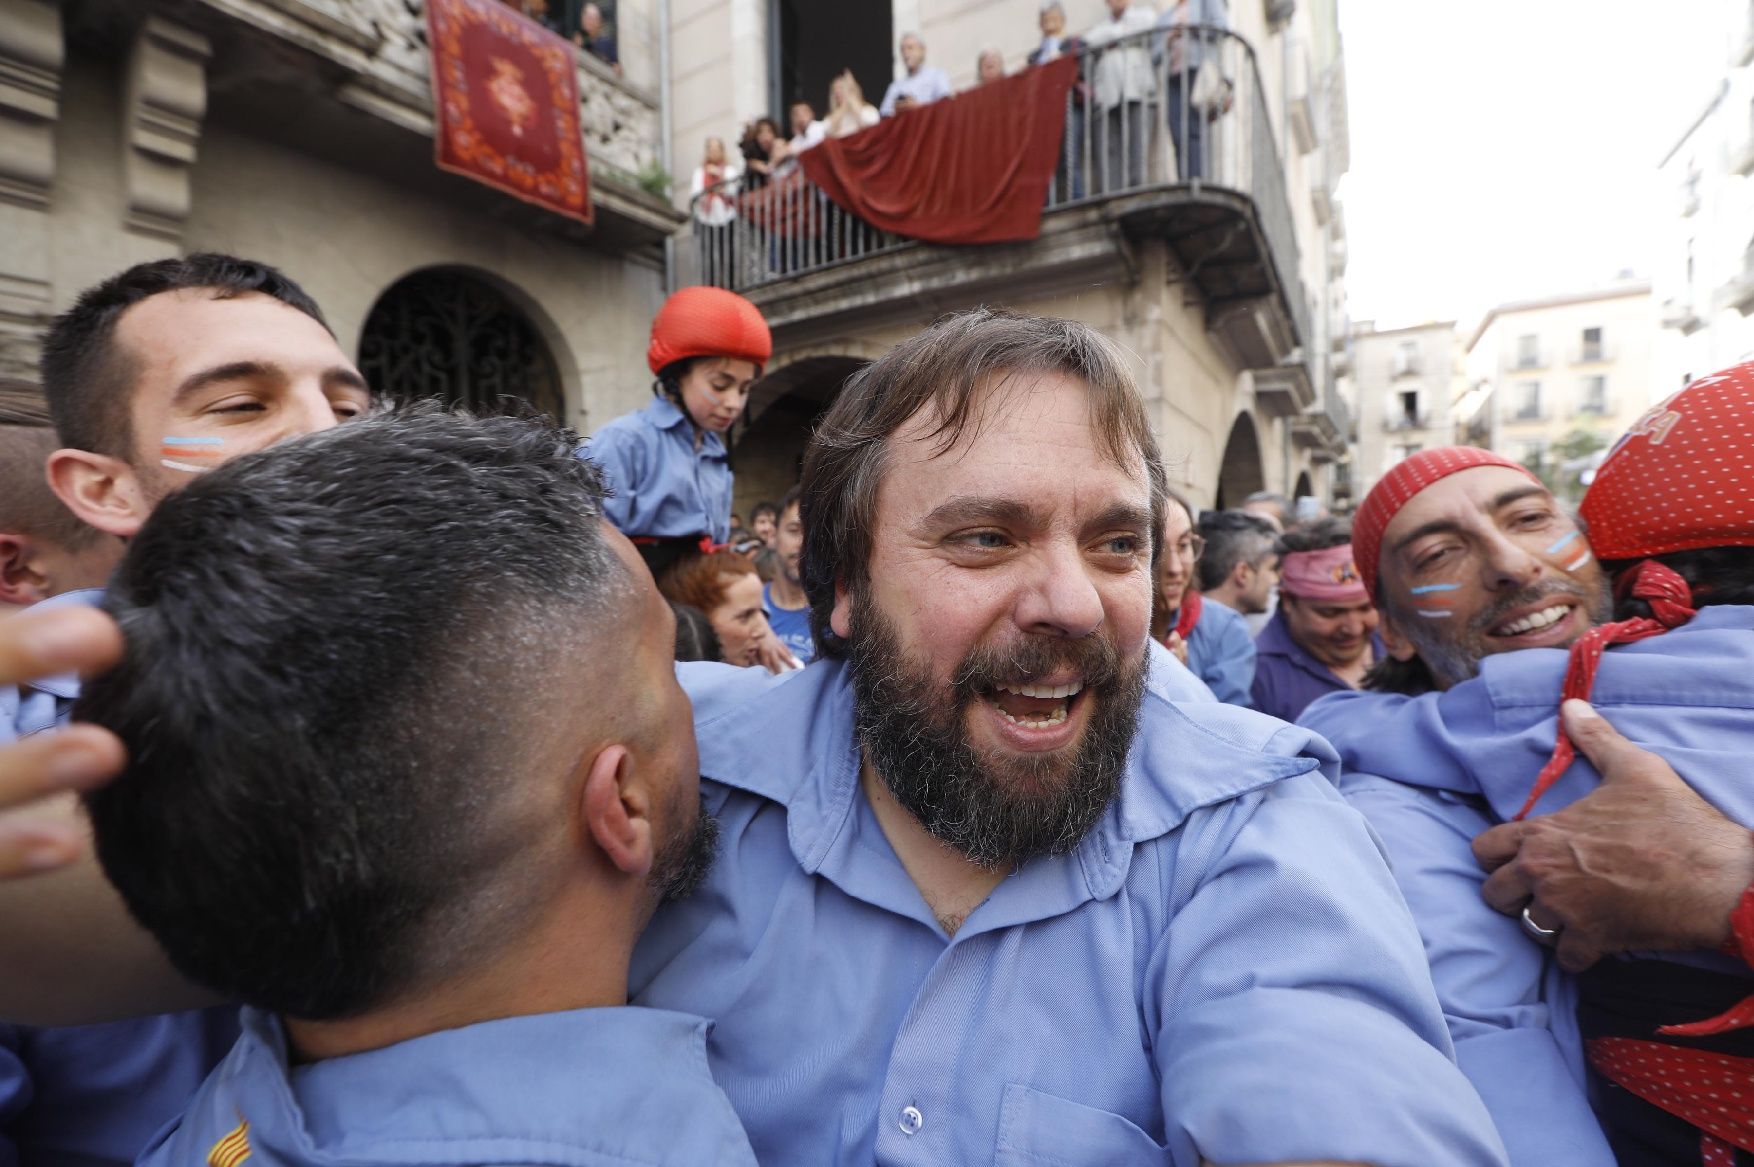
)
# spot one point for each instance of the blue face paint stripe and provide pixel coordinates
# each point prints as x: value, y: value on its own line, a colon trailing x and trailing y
x: 194, y: 441
x: 1428, y: 588
x: 1562, y: 544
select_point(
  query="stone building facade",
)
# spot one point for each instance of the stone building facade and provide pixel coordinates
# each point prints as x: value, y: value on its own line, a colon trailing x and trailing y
x: 1405, y: 380
x: 1242, y: 376
x: 299, y: 132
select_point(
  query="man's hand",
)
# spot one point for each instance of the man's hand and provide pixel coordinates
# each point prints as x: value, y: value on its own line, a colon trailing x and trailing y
x: 45, y: 644
x: 1641, y: 863
x: 1174, y: 642
x: 774, y: 656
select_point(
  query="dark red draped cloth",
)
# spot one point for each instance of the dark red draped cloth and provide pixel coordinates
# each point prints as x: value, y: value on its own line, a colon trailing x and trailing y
x: 505, y: 95
x: 973, y: 168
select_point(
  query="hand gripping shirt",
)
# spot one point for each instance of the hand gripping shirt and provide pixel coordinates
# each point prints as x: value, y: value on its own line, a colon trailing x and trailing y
x: 1221, y: 968
x: 612, y: 1087
x: 1431, y: 772
x: 665, y: 487
x: 92, y: 1095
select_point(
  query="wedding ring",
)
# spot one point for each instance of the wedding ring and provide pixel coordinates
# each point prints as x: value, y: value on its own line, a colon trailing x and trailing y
x: 1537, y: 933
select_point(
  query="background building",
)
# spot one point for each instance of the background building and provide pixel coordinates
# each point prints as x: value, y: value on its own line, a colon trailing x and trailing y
x: 1229, y: 290
x: 300, y: 132
x: 1405, y: 380
x: 1704, y: 278
x: 1555, y: 381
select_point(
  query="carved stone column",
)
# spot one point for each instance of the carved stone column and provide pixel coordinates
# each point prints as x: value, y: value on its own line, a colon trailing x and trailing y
x: 166, y: 98
x: 31, y: 58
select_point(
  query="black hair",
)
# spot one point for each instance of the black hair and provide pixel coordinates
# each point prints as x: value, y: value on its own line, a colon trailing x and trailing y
x: 334, y: 650
x: 1717, y: 575
x: 1407, y: 677
x: 790, y: 499
x: 764, y: 508
x: 1232, y: 537
x: 88, y: 379
x: 695, y: 638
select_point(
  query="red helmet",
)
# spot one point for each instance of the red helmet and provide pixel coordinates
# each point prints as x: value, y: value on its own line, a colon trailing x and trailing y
x: 708, y: 322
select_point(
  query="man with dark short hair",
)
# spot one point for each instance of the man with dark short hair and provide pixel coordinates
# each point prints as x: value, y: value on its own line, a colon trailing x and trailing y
x: 788, y: 608
x: 427, y: 917
x: 1323, y: 637
x: 1240, y: 566
x: 153, y: 377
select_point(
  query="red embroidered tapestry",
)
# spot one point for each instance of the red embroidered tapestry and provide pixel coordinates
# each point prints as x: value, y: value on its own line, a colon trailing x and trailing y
x: 973, y: 168
x: 505, y: 95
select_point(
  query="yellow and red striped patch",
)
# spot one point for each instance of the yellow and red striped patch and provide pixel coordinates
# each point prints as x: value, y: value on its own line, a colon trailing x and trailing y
x: 233, y: 1149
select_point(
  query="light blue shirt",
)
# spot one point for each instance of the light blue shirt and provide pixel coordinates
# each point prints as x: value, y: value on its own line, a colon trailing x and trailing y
x: 791, y: 625
x: 589, y: 1088
x: 1222, y: 653
x: 664, y: 487
x: 1222, y: 967
x: 92, y: 1095
x: 1453, y: 764
x: 928, y: 85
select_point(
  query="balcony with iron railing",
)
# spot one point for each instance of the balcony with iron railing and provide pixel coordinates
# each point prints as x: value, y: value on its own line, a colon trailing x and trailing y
x: 1147, y: 166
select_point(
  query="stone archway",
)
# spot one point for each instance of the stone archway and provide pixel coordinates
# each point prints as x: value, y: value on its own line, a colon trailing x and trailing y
x: 783, y: 408
x: 450, y: 334
x: 1239, y: 472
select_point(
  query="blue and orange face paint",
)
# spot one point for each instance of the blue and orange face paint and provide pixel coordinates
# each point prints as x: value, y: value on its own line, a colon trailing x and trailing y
x: 1562, y: 544
x: 173, y: 453
x: 1432, y: 603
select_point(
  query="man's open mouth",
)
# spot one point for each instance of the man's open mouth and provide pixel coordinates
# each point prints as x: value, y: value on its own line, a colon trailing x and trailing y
x: 1035, y: 706
x: 1531, y: 622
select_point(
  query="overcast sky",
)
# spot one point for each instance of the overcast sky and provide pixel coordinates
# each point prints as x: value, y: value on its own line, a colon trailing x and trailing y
x: 1503, y: 149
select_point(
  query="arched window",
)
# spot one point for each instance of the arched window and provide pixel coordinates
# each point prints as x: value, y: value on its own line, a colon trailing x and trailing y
x: 448, y: 334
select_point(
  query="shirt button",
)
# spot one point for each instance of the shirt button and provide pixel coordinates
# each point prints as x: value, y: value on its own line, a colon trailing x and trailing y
x: 911, y: 1120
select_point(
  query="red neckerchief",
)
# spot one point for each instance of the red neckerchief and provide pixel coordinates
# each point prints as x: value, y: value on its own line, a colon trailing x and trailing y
x: 1671, y: 601
x: 1189, y: 615
x: 1714, y: 1092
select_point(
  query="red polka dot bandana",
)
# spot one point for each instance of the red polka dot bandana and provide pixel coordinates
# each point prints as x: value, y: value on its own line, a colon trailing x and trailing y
x: 1682, y: 477
x: 1714, y: 1092
x: 1396, y: 488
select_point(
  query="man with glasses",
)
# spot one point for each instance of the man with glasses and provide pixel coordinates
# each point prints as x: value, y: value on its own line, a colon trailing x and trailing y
x: 1323, y: 638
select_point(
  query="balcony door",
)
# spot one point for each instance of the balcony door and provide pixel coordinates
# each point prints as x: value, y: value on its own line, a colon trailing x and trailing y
x: 813, y: 40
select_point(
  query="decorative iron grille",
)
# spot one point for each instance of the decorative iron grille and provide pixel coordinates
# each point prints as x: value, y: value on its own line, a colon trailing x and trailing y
x: 448, y: 335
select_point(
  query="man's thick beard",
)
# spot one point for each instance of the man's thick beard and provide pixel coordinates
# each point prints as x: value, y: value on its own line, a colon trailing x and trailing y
x: 992, y: 810
x: 1458, y: 660
x: 684, y: 860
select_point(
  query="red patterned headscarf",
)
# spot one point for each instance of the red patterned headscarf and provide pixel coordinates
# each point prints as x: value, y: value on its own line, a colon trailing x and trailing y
x: 1396, y: 488
x: 1681, y: 478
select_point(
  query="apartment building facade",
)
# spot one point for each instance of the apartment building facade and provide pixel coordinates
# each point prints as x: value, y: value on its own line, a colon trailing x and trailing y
x: 1405, y: 381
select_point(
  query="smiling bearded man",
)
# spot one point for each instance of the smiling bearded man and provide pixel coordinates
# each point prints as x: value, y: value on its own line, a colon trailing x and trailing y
x: 997, y: 886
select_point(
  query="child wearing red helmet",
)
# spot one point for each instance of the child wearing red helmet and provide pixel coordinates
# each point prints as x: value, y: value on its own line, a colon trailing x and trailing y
x: 668, y: 464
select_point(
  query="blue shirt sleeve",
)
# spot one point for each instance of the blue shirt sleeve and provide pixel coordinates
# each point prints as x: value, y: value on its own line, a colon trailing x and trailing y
x: 622, y: 458
x: 1293, y: 972
x: 1227, y: 662
x: 1509, y: 1009
x: 15, y: 1092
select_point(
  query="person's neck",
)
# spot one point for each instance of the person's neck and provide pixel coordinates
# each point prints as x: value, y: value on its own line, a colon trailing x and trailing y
x: 1352, y: 672
x: 577, y: 958
x: 951, y: 884
x: 1226, y: 595
x: 787, y: 594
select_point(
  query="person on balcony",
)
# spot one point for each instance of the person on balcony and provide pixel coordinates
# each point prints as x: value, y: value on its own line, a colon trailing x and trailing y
x: 1126, y: 92
x: 989, y: 66
x: 714, y: 189
x: 923, y: 84
x: 591, y: 38
x: 668, y: 463
x: 1069, y: 177
x: 848, y: 111
x: 1196, y: 33
x: 807, y: 130
x: 764, y: 153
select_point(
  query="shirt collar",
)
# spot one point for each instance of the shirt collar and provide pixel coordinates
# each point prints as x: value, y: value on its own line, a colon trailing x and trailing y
x: 558, y: 1089
x: 794, y: 744
x: 665, y: 414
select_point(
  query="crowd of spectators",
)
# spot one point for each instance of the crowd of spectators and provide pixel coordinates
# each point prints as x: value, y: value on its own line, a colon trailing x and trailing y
x: 588, y: 30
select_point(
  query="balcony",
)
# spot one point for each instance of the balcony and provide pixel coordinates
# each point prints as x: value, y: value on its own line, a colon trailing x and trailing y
x: 1326, y: 429
x: 1680, y: 315
x: 1285, y: 390
x: 1407, y: 365
x: 351, y: 76
x: 1223, y: 214
x: 1396, y: 423
x: 1592, y: 354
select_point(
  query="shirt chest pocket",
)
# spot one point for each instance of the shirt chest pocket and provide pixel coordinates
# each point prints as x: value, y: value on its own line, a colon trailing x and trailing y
x: 1041, y: 1130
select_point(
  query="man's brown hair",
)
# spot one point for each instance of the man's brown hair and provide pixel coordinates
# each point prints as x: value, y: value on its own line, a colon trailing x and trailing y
x: 950, y: 368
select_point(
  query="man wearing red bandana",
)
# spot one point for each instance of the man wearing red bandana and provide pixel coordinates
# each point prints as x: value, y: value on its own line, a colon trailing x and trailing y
x: 1659, y: 1044
x: 1323, y: 637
